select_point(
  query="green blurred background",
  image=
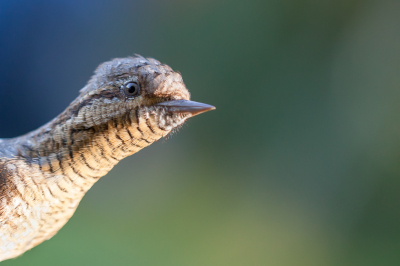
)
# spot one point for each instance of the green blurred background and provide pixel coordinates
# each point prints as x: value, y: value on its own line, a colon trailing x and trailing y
x: 299, y: 164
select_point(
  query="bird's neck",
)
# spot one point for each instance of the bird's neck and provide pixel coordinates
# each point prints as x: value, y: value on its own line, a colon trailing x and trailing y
x: 66, y: 147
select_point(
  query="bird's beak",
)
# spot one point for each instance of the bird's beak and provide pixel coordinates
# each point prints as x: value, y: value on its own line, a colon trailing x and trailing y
x: 184, y: 106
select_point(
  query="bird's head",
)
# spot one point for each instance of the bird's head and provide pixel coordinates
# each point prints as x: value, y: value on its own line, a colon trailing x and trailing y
x: 128, y: 104
x: 136, y: 86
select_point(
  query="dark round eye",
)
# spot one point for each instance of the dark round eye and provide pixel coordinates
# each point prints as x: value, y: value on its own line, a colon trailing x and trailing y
x: 131, y: 89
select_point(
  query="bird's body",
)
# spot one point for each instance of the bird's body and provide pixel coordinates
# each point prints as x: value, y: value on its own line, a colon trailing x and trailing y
x: 127, y: 105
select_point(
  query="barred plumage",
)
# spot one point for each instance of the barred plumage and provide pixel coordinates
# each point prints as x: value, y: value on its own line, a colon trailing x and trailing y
x: 45, y: 173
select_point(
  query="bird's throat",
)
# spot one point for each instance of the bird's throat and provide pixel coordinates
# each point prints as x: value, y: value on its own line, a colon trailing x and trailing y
x: 69, y: 151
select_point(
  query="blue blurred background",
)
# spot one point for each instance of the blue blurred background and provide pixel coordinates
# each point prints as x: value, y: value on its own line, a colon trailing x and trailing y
x: 299, y: 164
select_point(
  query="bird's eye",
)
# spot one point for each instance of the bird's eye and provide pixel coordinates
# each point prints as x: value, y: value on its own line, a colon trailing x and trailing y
x: 131, y: 89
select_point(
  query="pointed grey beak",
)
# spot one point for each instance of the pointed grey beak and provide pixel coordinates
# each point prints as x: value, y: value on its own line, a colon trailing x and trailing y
x: 184, y: 106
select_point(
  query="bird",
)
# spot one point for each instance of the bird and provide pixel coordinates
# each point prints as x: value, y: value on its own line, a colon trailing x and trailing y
x: 128, y: 104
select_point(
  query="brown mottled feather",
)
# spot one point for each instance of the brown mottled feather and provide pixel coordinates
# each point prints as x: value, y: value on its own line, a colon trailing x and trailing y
x: 45, y: 173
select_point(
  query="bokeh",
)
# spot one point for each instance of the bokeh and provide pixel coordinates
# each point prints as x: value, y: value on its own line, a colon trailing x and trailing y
x: 299, y: 164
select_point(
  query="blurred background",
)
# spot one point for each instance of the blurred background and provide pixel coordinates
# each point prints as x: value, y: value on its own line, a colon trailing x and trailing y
x: 299, y: 164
